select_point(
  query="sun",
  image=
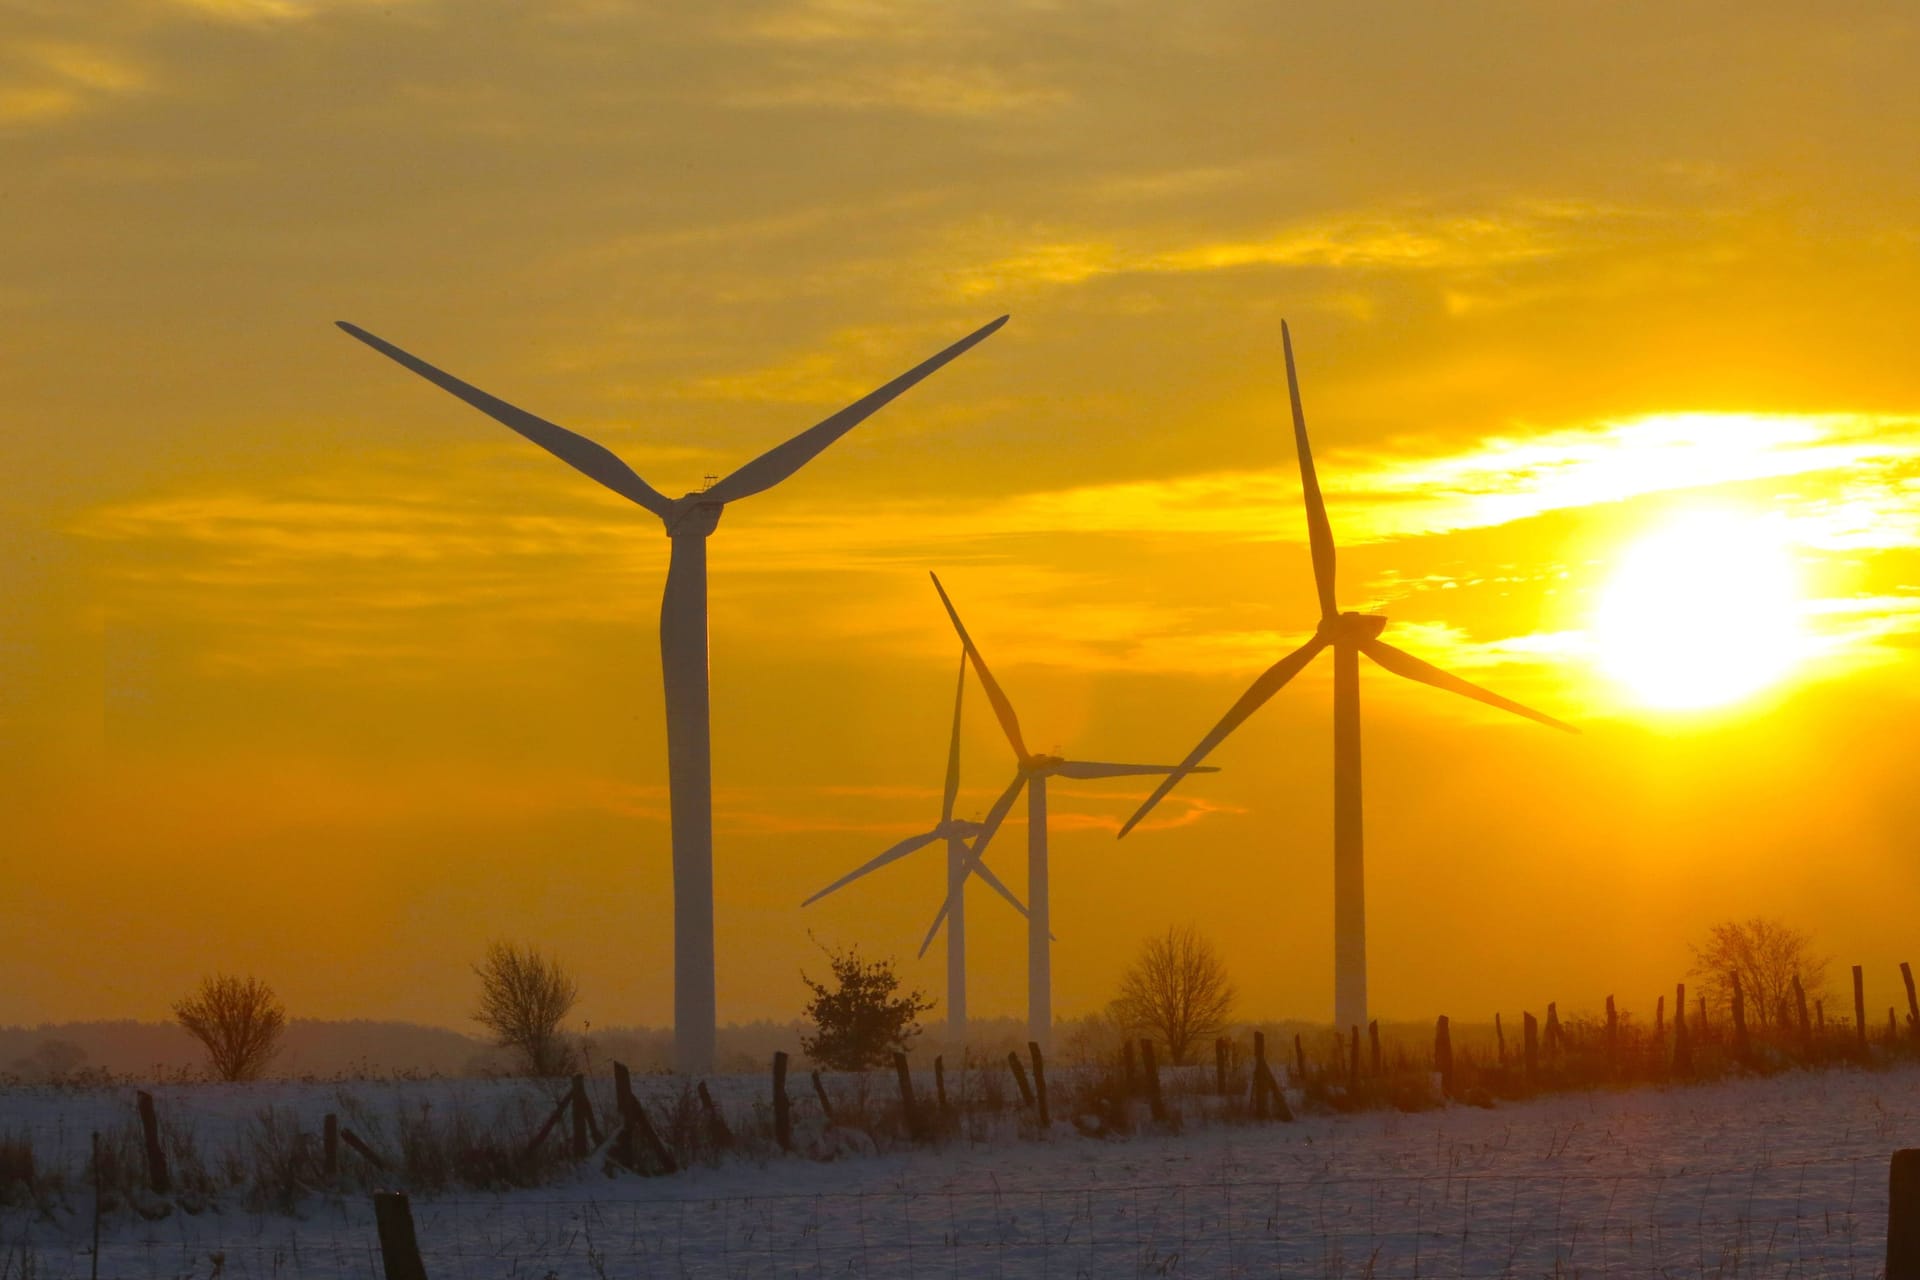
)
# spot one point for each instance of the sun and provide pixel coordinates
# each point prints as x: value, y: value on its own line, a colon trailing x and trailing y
x: 1702, y: 611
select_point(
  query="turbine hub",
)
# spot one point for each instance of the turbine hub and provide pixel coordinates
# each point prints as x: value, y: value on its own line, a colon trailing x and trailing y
x: 1042, y: 764
x: 693, y: 515
x: 1352, y: 628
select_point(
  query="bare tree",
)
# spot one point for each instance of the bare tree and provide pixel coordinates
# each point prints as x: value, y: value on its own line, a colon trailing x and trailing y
x: 238, y: 1020
x: 1767, y: 954
x: 524, y: 997
x: 1176, y: 989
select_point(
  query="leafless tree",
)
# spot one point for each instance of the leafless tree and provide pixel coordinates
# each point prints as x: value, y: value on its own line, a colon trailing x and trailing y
x: 1177, y: 989
x: 238, y: 1020
x: 524, y: 997
x: 1767, y: 954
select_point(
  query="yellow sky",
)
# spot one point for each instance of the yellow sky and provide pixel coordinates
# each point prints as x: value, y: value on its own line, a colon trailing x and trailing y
x: 308, y: 669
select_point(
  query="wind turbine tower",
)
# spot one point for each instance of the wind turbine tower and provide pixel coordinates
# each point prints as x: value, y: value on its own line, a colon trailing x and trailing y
x: 1349, y: 635
x: 690, y: 520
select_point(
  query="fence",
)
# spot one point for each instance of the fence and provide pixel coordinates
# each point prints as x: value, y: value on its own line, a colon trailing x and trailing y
x: 1823, y: 1217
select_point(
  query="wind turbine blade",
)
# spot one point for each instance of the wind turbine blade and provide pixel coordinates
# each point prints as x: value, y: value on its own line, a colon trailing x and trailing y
x: 781, y: 461
x: 974, y: 867
x: 1095, y: 769
x: 953, y: 748
x: 933, y: 930
x: 1402, y: 663
x: 1257, y: 693
x: 995, y: 816
x: 898, y: 851
x: 578, y: 452
x: 1319, y: 532
x: 1002, y: 708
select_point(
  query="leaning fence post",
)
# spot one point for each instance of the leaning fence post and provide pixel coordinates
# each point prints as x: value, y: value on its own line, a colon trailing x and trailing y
x: 1020, y: 1077
x: 157, y: 1176
x: 1903, y: 1215
x: 636, y: 1117
x: 1151, y: 1070
x: 1443, y: 1054
x: 399, y: 1246
x: 1913, y: 1002
x: 717, y: 1130
x: 910, y: 1112
x: 820, y: 1092
x: 1040, y: 1083
x: 782, y: 1108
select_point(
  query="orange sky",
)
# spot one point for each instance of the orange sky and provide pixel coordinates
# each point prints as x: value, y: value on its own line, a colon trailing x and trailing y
x: 308, y: 669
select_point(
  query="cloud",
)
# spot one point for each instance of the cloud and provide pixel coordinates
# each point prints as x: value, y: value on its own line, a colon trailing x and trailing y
x: 50, y: 79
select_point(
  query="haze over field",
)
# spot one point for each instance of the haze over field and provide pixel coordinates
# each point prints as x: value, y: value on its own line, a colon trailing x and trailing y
x: 1604, y: 322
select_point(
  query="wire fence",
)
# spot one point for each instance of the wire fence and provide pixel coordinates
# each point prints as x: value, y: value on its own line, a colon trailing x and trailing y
x: 1810, y: 1218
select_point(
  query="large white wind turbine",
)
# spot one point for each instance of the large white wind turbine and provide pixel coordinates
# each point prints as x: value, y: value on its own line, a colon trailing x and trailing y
x: 956, y: 832
x: 1032, y: 773
x: 1349, y: 635
x: 689, y: 521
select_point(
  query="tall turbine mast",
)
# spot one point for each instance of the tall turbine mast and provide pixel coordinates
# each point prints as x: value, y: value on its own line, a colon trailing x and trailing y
x: 689, y: 521
x: 1031, y: 772
x: 1349, y: 635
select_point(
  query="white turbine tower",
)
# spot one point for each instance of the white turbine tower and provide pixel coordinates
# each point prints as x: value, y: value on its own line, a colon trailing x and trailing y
x: 1349, y: 635
x: 689, y: 521
x: 956, y: 832
x: 1032, y: 773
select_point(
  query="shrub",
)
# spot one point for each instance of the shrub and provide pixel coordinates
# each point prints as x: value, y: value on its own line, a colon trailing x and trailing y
x: 239, y: 1021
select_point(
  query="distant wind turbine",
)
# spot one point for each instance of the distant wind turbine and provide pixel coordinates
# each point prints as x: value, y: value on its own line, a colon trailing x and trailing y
x: 956, y: 832
x: 689, y: 521
x: 1032, y: 773
x: 1349, y: 635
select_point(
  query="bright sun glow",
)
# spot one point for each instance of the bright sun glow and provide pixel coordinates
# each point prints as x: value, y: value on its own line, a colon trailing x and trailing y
x: 1702, y: 611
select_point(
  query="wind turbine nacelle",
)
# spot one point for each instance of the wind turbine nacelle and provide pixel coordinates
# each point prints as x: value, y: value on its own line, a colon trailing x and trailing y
x: 1042, y: 764
x: 694, y: 514
x: 1352, y: 628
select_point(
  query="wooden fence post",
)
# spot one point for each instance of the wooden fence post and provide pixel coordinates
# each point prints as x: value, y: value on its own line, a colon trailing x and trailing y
x: 1800, y: 1006
x: 637, y: 1122
x: 1530, y: 1047
x: 717, y: 1131
x: 1660, y: 1019
x: 1499, y: 1040
x: 1443, y: 1054
x: 1373, y: 1046
x: 361, y: 1149
x: 553, y: 1118
x: 1740, y: 1044
x: 1913, y: 1002
x: 1040, y: 1083
x: 157, y: 1177
x: 1613, y: 1037
x: 820, y: 1092
x: 1820, y: 1017
x: 1299, y: 1059
x: 1682, y: 1045
x: 1133, y: 1074
x: 399, y: 1246
x: 1860, y: 1009
x: 940, y: 1083
x: 782, y: 1107
x: 1220, y: 1066
x: 1353, y: 1058
x: 1554, y: 1047
x: 1903, y: 1215
x: 1259, y: 1098
x: 330, y: 1146
x: 1151, y: 1070
x: 1020, y: 1078
x: 908, y: 1110
x: 577, y: 1099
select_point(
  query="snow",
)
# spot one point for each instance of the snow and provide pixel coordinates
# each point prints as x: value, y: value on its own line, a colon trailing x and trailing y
x: 1779, y: 1176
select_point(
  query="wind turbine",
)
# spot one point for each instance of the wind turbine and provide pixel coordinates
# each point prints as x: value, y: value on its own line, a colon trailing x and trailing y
x: 1032, y: 773
x: 956, y: 832
x: 689, y: 521
x: 1349, y: 635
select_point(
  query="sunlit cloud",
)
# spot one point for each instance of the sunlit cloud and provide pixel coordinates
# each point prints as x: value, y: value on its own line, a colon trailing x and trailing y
x: 44, y: 81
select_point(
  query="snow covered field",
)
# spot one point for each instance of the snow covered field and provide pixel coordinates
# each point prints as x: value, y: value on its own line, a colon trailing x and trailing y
x: 1783, y: 1176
